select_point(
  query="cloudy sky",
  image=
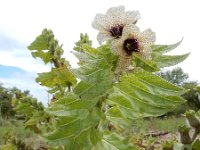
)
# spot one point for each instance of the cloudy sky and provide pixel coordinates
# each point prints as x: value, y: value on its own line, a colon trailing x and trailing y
x: 22, y: 20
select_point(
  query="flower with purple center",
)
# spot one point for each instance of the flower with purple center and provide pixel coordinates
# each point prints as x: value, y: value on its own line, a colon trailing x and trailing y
x: 132, y: 41
x: 111, y: 24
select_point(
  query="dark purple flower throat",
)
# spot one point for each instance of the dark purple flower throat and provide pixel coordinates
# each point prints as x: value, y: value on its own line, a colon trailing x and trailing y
x: 116, y: 31
x: 131, y: 45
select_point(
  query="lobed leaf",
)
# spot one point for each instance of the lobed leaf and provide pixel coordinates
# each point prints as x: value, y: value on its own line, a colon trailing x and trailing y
x: 158, y: 85
x: 162, y: 49
x: 142, y: 94
x: 103, y: 81
x: 57, y: 76
x: 42, y: 41
x: 77, y: 133
x: 149, y: 65
x: 169, y: 60
x: 95, y: 72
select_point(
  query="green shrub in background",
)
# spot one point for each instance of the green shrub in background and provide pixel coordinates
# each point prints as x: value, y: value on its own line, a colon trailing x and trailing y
x: 6, y: 109
x: 178, y: 77
x: 14, y: 136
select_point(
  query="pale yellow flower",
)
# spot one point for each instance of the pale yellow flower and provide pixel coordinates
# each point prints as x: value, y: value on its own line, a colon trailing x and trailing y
x: 132, y: 41
x: 111, y: 24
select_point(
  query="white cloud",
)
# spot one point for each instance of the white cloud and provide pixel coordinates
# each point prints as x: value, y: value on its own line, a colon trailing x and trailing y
x: 22, y: 58
x: 27, y: 82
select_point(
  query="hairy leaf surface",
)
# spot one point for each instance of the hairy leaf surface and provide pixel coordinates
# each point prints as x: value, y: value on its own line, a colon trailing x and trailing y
x: 142, y: 94
x: 112, y: 141
x: 162, y: 60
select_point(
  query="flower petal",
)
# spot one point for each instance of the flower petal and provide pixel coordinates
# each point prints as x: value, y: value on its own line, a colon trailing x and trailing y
x: 130, y: 30
x: 101, y: 22
x: 132, y: 17
x: 116, y: 46
x: 101, y: 37
x: 145, y: 53
x: 116, y: 15
x: 148, y: 36
x: 115, y: 10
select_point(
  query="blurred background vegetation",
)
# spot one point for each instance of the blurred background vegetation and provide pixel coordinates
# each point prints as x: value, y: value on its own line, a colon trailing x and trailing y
x: 178, y: 77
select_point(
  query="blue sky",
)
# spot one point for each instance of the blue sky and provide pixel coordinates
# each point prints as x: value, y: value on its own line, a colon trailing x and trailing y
x: 22, y: 20
x: 14, y: 76
x: 9, y: 71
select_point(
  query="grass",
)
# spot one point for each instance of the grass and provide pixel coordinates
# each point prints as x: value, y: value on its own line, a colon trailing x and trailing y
x: 168, y: 124
x: 149, y: 125
x: 13, y: 134
x: 141, y: 128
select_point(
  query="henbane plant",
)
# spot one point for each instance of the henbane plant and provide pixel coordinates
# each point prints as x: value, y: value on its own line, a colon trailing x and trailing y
x: 114, y: 84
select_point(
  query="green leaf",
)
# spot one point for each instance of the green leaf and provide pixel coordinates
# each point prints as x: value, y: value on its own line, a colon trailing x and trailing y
x: 196, y: 145
x: 103, y: 82
x: 97, y: 72
x: 77, y: 133
x: 162, y: 49
x: 162, y: 60
x: 112, y: 141
x: 60, y: 79
x: 71, y: 104
x: 198, y: 89
x: 115, y: 116
x: 70, y: 98
x: 56, y: 77
x: 178, y: 146
x: 96, y: 57
x: 142, y: 94
x: 77, y: 121
x: 66, y: 131
x: 77, y: 109
x: 46, y: 56
x: 169, y: 60
x: 133, y: 107
x: 42, y: 41
x: 77, y: 114
x: 146, y: 65
x: 9, y: 147
x: 158, y: 85
x: 48, y: 49
x: 84, y: 40
x: 25, y: 108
